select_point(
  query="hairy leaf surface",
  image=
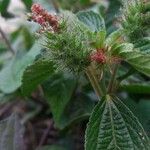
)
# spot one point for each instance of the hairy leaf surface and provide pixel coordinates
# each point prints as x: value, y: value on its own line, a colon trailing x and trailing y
x: 93, y: 20
x: 113, y: 126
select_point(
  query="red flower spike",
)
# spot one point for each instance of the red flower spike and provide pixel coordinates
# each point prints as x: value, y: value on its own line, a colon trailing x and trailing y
x: 98, y: 57
x: 42, y: 17
x: 37, y: 9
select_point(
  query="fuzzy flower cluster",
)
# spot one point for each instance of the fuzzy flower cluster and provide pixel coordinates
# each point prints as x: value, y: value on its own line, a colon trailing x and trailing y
x: 45, y: 19
x: 98, y: 56
x: 101, y: 57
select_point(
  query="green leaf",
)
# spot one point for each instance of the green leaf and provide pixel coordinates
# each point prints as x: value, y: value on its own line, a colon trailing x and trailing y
x: 27, y: 3
x: 113, y: 126
x: 100, y: 38
x: 78, y: 109
x: 141, y: 110
x: 113, y: 37
x: 143, y: 45
x: 140, y: 61
x: 4, y: 5
x: 58, y: 90
x: 93, y: 20
x: 3, y: 9
x: 35, y: 74
x: 11, y: 134
x: 11, y: 74
x: 66, y: 106
x: 139, y: 88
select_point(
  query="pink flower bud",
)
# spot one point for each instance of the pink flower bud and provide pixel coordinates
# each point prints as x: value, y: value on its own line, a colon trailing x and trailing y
x: 45, y: 19
x: 40, y: 20
x: 37, y: 9
x: 98, y: 57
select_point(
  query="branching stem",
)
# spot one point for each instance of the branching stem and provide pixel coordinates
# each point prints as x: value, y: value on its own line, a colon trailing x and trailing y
x: 112, y: 80
x: 94, y: 82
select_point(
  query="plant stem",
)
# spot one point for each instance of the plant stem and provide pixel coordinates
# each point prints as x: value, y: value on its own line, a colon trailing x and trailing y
x: 7, y: 41
x: 103, y: 84
x: 112, y: 80
x: 94, y: 82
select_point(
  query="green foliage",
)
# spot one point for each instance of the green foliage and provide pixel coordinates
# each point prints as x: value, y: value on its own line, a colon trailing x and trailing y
x: 113, y: 126
x: 35, y: 74
x: 143, y: 45
x: 94, y: 21
x: 66, y: 106
x: 74, y: 5
x: 3, y: 9
x: 11, y: 74
x: 27, y: 3
x: 112, y: 38
x: 137, y: 88
x: 11, y: 134
x: 58, y: 102
x: 70, y: 48
x: 137, y: 59
x: 136, y: 18
x: 60, y: 70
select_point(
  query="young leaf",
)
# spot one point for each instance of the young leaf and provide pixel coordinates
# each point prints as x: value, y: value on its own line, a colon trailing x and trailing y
x: 11, y: 134
x: 140, y: 61
x: 113, y: 37
x: 93, y: 20
x: 113, y: 126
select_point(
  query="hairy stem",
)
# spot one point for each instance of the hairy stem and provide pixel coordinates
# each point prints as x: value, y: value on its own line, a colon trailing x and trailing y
x: 112, y: 80
x: 7, y: 41
x: 94, y: 82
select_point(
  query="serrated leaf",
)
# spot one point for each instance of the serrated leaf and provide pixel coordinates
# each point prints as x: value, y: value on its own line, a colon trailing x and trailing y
x: 66, y: 106
x: 11, y: 134
x: 11, y: 75
x: 74, y: 25
x: 35, y: 74
x: 58, y: 91
x: 140, y: 61
x: 113, y: 126
x: 93, y: 20
x: 143, y: 45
